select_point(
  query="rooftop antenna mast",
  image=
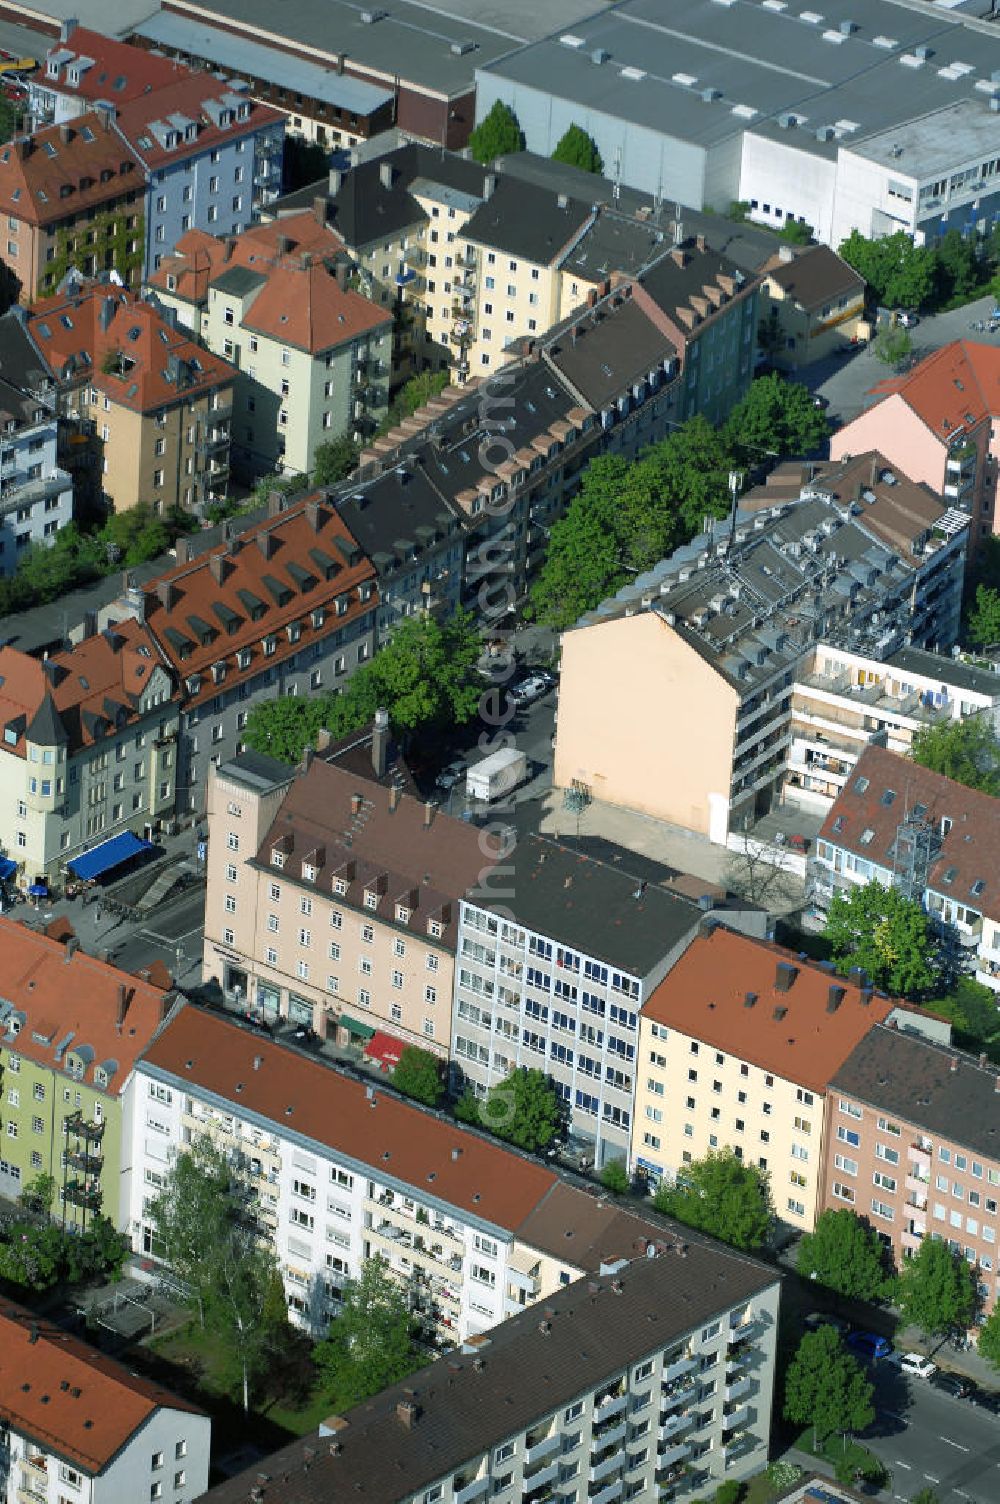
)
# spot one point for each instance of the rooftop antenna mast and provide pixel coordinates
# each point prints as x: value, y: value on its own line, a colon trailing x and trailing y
x: 616, y: 191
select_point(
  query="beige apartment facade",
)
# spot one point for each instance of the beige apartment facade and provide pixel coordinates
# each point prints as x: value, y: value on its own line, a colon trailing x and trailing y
x: 736, y: 1046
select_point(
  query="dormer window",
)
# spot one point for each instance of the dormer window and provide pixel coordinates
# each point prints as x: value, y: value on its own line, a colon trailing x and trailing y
x: 371, y: 899
x: 867, y: 836
x: 294, y: 630
x: 100, y: 1076
x: 318, y: 616
x: 434, y: 927
x: 277, y: 858
x: 270, y: 646
x: 339, y: 885
x: 243, y: 658
x: 218, y: 672
x: 402, y: 913
x: 365, y: 591
x: 341, y: 605
x: 308, y: 872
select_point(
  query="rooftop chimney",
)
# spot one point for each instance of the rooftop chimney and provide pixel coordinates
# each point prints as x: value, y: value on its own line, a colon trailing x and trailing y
x: 489, y: 185
x: 954, y: 1065
x: 33, y: 1333
x: 319, y: 209
x: 65, y: 133
x: 408, y: 1413
x: 336, y: 181
x: 356, y: 803
x: 562, y: 199
x: 341, y: 272
x: 72, y: 946
x: 386, y: 173
x: 323, y: 739
x: 749, y: 998
x: 866, y: 996
x: 428, y: 815
x: 779, y: 1013
x: 258, y: 1061
x: 217, y: 567
x: 784, y: 976
x: 834, y: 998
x: 67, y: 28
x: 380, y: 742
x: 699, y: 241
x: 121, y: 1006
x: 265, y: 542
x: 166, y: 593
x: 313, y: 515
x: 393, y: 798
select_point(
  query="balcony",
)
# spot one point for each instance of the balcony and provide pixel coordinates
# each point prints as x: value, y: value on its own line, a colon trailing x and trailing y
x: 30, y: 1492
x: 737, y: 1419
x: 470, y: 1491
x: 679, y: 1369
x: 750, y: 1330
x: 543, y: 1476
x: 679, y: 1452
x: 675, y: 1425
x: 83, y: 1127
x: 607, y: 1493
x: 610, y: 1435
x: 919, y: 1185
x: 739, y: 1447
x: 911, y: 1240
x: 737, y: 1390
x: 680, y: 1391
x: 80, y: 1160
x: 543, y: 1448
x: 920, y: 1158
x: 86, y: 1196
x: 613, y: 1405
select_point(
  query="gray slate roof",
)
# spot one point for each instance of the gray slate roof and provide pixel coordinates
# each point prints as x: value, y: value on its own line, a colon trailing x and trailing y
x: 467, y: 1403
x: 524, y: 220
x: 948, y: 670
x: 940, y: 1090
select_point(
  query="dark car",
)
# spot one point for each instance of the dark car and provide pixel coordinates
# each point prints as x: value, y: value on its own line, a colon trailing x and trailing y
x: 870, y: 1345
x: 950, y: 1383
x: 984, y: 1399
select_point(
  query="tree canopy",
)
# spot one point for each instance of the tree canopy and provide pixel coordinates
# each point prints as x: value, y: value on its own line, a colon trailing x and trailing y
x: 972, y: 1008
x: 937, y: 1290
x: 892, y: 346
x: 776, y: 415
x: 334, y: 461
x: 424, y: 677
x: 899, y: 274
x: 418, y: 1075
x: 524, y: 1109
x: 577, y: 149
x: 615, y: 1177
x: 845, y: 1254
x: 370, y: 1343
x: 723, y: 1196
x: 965, y: 750
x: 984, y: 617
x: 988, y: 1339
x: 825, y: 1387
x: 496, y: 135
x: 885, y: 933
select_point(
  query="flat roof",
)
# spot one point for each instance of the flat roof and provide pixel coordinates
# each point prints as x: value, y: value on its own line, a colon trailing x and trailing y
x: 946, y: 670
x: 475, y: 1398
x: 239, y: 55
x: 706, y: 70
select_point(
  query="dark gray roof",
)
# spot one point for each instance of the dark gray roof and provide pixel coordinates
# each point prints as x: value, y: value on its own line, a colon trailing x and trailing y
x: 401, y: 505
x: 816, y: 276
x: 46, y: 729
x: 258, y: 771
x: 468, y: 1402
x: 604, y: 910
x: 608, y: 351
x: 672, y: 286
x: 20, y: 362
x: 948, y: 670
x: 239, y: 280
x: 49, y: 626
x: 934, y: 1088
x: 522, y: 219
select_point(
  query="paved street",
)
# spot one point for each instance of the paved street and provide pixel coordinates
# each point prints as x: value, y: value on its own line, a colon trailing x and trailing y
x: 927, y: 1439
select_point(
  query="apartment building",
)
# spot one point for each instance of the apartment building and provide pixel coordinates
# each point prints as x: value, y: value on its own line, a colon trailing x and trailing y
x: 89, y: 748
x: 337, y: 905
x: 72, y: 1029
x: 587, y: 1403
x: 553, y: 970
x: 36, y: 493
x: 312, y: 353
x: 811, y: 302
x: 842, y: 701
x: 80, y: 1426
x: 73, y: 196
x: 911, y: 1147
x: 286, y: 606
x: 159, y: 404
x: 342, y: 1171
x: 937, y: 424
x: 82, y: 68
x: 747, y: 1038
x: 727, y: 621
x: 906, y: 827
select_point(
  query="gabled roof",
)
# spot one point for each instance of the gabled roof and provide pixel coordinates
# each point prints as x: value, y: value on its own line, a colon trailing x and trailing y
x: 815, y: 277
x: 70, y: 1004
x: 106, y: 68
x: 194, y: 99
x: 199, y: 258
x: 67, y: 1397
x: 765, y: 1005
x: 691, y: 283
x: 303, y: 305
x: 523, y: 220
x: 952, y: 390
x: 884, y: 789
x: 79, y: 695
x: 64, y: 170
x: 307, y: 1097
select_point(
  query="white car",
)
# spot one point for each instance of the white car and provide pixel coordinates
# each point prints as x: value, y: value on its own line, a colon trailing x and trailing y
x: 914, y: 1364
x: 528, y: 690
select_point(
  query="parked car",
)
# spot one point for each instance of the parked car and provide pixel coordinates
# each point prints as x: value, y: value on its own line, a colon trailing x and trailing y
x: 816, y: 1319
x: 449, y: 775
x: 914, y: 1364
x: 528, y: 690
x: 984, y: 1399
x: 907, y: 319
x: 870, y: 1345
x: 951, y: 1383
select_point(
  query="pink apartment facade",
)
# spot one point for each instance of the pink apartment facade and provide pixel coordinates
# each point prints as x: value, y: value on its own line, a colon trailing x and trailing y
x: 912, y: 1145
x: 940, y: 424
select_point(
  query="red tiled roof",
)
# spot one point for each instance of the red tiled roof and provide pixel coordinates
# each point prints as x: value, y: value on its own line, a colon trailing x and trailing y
x: 203, y: 612
x: 65, y: 169
x: 67, y: 1397
x: 79, y: 332
x: 791, y: 1033
x: 199, y: 257
x: 310, y: 1098
x: 120, y: 71
x: 186, y: 97
x: 884, y: 788
x: 954, y: 388
x: 91, y: 688
x: 64, y: 992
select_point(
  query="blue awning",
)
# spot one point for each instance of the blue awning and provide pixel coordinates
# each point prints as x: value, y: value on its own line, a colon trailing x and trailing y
x: 109, y: 854
x: 7, y: 868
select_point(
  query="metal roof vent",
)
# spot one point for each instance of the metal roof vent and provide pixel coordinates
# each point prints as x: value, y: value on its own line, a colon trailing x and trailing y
x: 709, y: 94
x: 847, y: 28
x: 369, y: 17
x: 599, y: 56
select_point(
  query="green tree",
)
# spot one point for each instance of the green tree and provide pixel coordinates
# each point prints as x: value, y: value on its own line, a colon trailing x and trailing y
x: 825, y: 1387
x: 891, y: 346
x: 956, y: 269
x: 899, y: 274
x: 795, y: 232
x: 984, y: 618
x: 615, y: 1177
x: 39, y: 1193
x: 9, y: 117
x: 778, y: 416
x: 245, y: 1300
x: 190, y: 1217
x: 418, y: 1075
x: 972, y: 1008
x: 965, y: 750
x: 370, y: 1343
x: 467, y: 1108
x: 32, y: 1256
x: 887, y: 935
x: 988, y: 1338
x: 497, y: 135
x: 415, y: 393
x: 577, y: 149
x: 730, y: 1492
x: 722, y: 1196
x: 844, y: 1253
x: 937, y: 1290
x: 334, y: 461
x: 739, y: 210
x: 524, y: 1109
x: 771, y: 338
